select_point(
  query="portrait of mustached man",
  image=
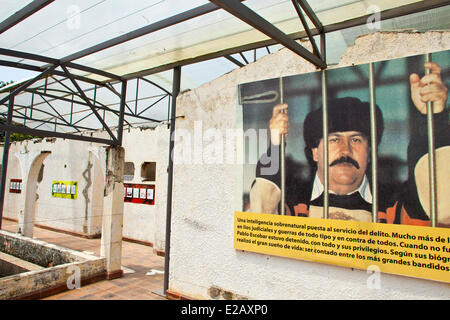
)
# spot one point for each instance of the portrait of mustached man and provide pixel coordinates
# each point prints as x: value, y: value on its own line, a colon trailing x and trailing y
x: 349, y: 154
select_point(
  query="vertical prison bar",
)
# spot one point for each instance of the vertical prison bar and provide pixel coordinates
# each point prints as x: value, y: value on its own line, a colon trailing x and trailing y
x: 325, y: 143
x: 431, y: 156
x: 373, y: 144
x: 176, y: 85
x: 282, y: 161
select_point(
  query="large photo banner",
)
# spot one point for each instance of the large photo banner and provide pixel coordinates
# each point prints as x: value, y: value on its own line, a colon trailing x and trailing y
x: 375, y: 193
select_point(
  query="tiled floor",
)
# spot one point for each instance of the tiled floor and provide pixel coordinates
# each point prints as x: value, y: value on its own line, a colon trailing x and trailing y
x: 143, y: 270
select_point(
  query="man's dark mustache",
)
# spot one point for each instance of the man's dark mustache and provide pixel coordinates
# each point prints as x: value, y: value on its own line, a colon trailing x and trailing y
x: 344, y: 159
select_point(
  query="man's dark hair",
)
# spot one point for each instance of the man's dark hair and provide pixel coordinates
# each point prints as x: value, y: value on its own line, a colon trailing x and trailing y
x: 344, y: 114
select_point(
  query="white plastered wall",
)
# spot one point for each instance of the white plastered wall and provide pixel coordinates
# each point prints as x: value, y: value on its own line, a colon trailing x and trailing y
x: 12, y: 200
x: 202, y: 258
x: 84, y: 162
x: 68, y: 161
x: 141, y: 221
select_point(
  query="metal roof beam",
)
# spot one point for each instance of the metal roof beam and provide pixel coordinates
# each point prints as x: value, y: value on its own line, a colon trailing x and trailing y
x: 28, y: 56
x: 311, y: 14
x: 30, y: 67
x: 156, y: 85
x: 405, y: 10
x: 45, y: 120
x: 23, y: 13
x: 355, y: 22
x: 59, y: 116
x: 235, y: 61
x: 27, y: 84
x: 85, y: 98
x: 92, y: 70
x: 121, y: 113
x: 154, y: 103
x: 45, y: 134
x: 159, y: 25
x: 42, y: 122
x: 99, y: 107
x: 53, y: 61
x: 306, y: 27
x: 247, y: 15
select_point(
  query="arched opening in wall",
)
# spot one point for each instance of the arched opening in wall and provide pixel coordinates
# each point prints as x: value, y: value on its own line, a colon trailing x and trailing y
x: 40, y: 177
x: 128, y: 171
x: 40, y: 174
x: 13, y: 193
x: 148, y: 171
x: 27, y: 218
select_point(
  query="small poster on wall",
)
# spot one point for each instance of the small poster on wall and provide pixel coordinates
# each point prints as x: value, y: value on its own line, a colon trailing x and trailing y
x: 139, y: 193
x: 64, y: 189
x: 135, y: 192
x: 150, y: 193
x: 15, y: 186
x: 128, y: 192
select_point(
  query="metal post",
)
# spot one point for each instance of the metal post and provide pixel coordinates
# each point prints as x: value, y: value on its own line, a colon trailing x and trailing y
x: 243, y: 57
x: 325, y: 144
x: 175, y: 91
x: 323, y: 47
x: 373, y: 144
x: 123, y: 97
x: 31, y: 110
x: 282, y: 161
x: 137, y: 95
x: 5, y: 158
x: 431, y: 156
x: 71, y: 109
x: 95, y: 95
x: 31, y: 106
x: 305, y: 26
x: 169, y: 100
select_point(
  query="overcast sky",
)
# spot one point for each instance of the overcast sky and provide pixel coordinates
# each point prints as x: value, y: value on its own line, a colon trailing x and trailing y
x: 8, y: 74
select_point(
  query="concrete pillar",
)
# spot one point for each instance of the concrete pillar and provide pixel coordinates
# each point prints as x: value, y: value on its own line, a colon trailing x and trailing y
x: 94, y: 207
x: 30, y: 163
x: 112, y: 222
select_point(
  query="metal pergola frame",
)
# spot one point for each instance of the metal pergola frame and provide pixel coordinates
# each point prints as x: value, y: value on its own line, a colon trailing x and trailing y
x: 50, y: 73
x: 60, y: 67
x: 234, y: 7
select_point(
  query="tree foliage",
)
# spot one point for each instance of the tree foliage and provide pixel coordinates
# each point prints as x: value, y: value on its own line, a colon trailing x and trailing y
x: 3, y: 83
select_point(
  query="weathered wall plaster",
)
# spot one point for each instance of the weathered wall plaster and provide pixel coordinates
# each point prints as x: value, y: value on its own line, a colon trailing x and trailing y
x: 10, y: 265
x: 203, y: 263
x: 67, y: 161
x: 58, y: 266
x: 141, y: 221
x: 85, y: 163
